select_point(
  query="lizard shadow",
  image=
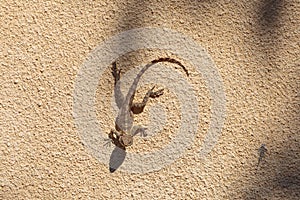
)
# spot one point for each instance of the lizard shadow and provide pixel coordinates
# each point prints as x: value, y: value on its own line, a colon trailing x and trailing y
x: 119, y: 97
x: 118, y: 155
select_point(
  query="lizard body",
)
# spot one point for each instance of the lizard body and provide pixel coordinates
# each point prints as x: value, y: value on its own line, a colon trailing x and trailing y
x: 122, y: 136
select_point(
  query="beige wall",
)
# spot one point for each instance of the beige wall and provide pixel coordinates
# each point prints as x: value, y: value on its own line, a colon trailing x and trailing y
x: 255, y: 47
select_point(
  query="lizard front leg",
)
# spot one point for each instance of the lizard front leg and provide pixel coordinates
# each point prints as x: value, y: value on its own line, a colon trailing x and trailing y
x: 113, y: 137
x: 137, y: 108
x: 139, y: 130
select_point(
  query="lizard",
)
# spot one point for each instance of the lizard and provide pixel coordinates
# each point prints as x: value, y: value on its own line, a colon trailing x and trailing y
x: 262, y: 151
x: 122, y: 135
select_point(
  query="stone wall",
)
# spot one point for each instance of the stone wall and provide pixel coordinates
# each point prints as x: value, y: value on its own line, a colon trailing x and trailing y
x: 249, y: 48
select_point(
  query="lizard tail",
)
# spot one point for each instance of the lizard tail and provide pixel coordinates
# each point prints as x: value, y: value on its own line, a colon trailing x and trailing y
x: 153, y: 62
x: 171, y: 60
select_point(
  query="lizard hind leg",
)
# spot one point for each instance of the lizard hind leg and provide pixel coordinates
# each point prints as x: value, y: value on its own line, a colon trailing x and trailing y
x: 138, y: 108
x: 157, y: 93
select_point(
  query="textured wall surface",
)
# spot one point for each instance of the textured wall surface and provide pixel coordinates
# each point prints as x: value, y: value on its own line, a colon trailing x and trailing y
x: 255, y: 45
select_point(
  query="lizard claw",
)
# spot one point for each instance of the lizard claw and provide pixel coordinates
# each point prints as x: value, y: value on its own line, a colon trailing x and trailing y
x: 108, y: 142
x: 157, y: 93
x: 143, y: 133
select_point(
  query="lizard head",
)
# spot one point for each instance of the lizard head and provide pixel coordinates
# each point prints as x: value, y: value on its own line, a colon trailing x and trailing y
x: 121, y: 139
x: 126, y: 140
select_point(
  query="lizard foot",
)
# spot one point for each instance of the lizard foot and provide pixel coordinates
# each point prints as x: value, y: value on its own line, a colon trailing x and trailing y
x: 157, y: 93
x: 137, y: 108
x: 108, y: 142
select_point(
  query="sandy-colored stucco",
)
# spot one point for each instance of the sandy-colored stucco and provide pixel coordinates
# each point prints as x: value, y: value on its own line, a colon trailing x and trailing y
x: 255, y: 46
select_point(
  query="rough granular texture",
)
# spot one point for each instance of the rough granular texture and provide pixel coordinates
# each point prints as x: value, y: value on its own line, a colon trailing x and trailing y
x: 255, y: 45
